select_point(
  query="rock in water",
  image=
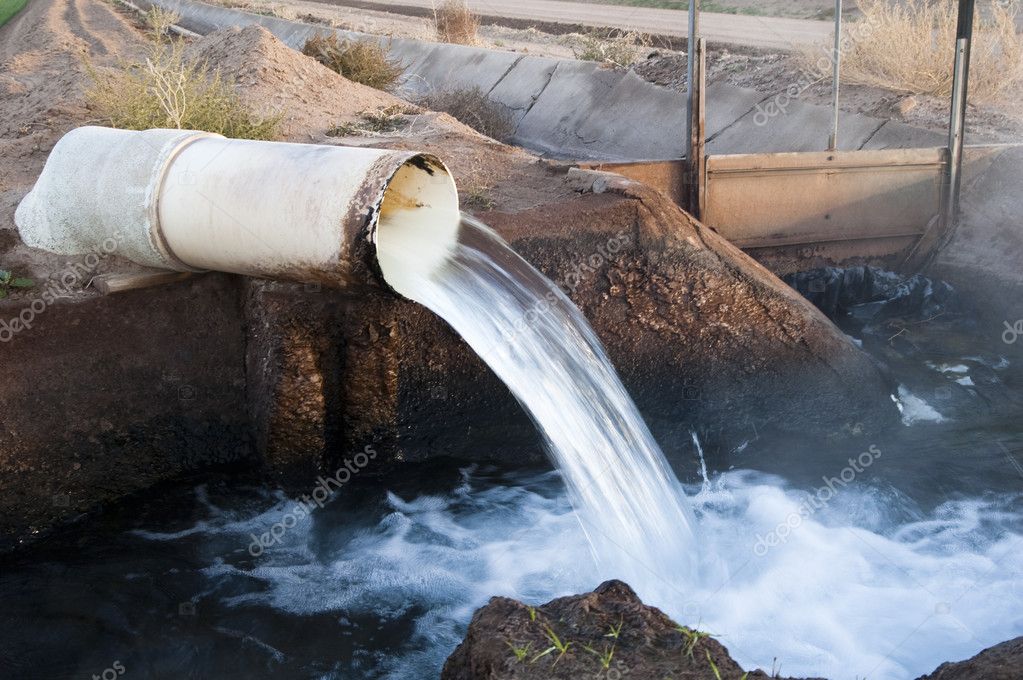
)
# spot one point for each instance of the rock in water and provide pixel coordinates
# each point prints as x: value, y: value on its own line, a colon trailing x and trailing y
x: 1001, y: 662
x: 607, y: 633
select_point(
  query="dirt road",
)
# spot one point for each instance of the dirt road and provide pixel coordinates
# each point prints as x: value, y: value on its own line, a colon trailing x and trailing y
x: 751, y: 31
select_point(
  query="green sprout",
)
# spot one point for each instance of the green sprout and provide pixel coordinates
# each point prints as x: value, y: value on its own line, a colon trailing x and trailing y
x: 9, y: 281
x: 605, y: 656
x: 520, y: 652
x: 557, y: 645
x: 692, y: 637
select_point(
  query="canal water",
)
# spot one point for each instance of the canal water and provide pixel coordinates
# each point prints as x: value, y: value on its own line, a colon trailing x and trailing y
x: 873, y: 556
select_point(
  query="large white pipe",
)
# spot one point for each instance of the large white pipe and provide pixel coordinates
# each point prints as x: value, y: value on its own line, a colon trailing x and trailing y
x: 194, y: 201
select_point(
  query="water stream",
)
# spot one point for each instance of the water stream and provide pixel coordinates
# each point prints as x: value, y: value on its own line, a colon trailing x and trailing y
x: 626, y: 497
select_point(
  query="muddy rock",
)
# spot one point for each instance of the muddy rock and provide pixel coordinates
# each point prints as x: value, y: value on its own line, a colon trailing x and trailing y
x: 604, y: 634
x: 1001, y: 662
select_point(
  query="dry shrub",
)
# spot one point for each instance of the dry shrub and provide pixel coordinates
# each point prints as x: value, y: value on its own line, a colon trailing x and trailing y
x: 456, y: 23
x: 472, y: 107
x: 159, y: 21
x: 358, y: 61
x: 169, y: 91
x: 909, y: 46
x: 380, y: 121
x: 616, y: 48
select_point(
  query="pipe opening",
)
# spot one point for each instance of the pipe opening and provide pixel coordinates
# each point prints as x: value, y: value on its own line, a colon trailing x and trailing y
x: 418, y: 227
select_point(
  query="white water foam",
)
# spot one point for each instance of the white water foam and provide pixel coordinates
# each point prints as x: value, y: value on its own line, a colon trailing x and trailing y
x: 868, y: 586
x: 914, y: 409
x: 626, y: 498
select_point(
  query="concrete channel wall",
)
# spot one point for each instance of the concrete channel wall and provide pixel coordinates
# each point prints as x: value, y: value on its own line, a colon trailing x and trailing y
x: 581, y: 110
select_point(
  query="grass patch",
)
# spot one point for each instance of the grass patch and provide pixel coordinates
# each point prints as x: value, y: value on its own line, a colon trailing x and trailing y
x: 456, y: 23
x: 615, y: 48
x: 472, y: 107
x: 361, y: 62
x: 909, y: 46
x: 167, y: 90
x: 8, y: 8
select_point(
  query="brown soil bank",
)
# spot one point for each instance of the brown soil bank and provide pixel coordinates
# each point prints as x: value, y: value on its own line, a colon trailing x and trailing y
x: 108, y: 395
x: 647, y: 644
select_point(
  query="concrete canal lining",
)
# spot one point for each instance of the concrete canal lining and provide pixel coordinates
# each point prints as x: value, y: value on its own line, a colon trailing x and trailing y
x: 580, y: 109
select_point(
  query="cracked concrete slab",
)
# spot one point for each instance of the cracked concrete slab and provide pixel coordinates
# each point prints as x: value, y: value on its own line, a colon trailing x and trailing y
x: 896, y: 135
x: 523, y: 84
x: 587, y: 111
x: 796, y: 126
x: 453, y: 67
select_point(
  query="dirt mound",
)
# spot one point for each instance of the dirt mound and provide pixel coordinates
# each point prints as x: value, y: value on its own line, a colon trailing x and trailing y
x: 43, y: 55
x: 274, y: 79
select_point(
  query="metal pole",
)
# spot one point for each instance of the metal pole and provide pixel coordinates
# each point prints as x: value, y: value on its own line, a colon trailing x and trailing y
x: 699, y: 136
x: 694, y: 27
x: 957, y: 117
x: 836, y: 63
x: 692, y: 171
x: 936, y: 237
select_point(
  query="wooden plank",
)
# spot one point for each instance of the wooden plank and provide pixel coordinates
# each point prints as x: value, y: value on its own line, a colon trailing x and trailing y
x: 108, y: 284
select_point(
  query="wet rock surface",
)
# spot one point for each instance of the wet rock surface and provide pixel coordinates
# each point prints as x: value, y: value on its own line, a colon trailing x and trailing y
x: 1001, y: 662
x: 608, y: 633
x: 106, y: 399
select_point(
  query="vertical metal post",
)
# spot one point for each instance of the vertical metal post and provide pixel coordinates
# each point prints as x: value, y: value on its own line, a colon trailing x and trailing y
x: 694, y: 28
x: 836, y: 59
x: 698, y: 132
x: 943, y: 226
x: 692, y: 176
x: 957, y: 117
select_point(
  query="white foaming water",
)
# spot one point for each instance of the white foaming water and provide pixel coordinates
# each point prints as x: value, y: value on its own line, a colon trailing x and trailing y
x: 868, y: 586
x: 627, y: 500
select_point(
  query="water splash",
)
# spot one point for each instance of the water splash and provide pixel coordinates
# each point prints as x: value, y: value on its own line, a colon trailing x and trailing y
x: 629, y: 503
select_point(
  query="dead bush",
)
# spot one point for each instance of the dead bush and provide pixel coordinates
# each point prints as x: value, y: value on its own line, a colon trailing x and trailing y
x: 358, y: 61
x: 159, y: 21
x: 909, y: 46
x: 472, y: 107
x: 378, y: 122
x: 169, y: 91
x: 615, y: 48
x: 456, y: 23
